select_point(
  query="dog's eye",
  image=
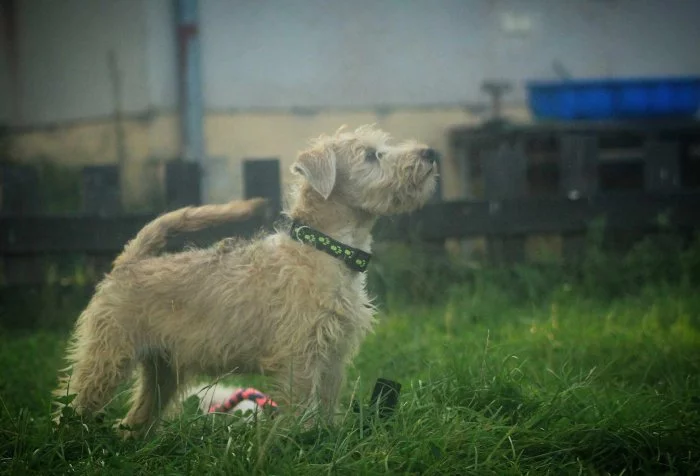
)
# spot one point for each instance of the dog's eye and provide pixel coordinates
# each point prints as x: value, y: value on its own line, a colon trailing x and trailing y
x: 372, y: 155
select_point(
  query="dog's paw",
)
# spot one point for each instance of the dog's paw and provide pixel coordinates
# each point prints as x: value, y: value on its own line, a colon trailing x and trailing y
x: 125, y: 431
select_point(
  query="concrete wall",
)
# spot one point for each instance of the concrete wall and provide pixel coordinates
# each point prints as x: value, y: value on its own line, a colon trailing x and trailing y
x: 366, y: 53
x: 259, y: 135
x: 63, y: 69
x: 231, y: 138
x: 274, y: 54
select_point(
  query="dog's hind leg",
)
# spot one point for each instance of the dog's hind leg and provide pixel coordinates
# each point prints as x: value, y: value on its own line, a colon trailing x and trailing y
x: 100, y: 356
x: 157, y: 383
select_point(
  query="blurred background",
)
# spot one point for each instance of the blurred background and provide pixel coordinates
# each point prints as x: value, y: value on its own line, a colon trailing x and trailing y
x: 541, y: 312
x: 145, y: 81
x: 542, y: 111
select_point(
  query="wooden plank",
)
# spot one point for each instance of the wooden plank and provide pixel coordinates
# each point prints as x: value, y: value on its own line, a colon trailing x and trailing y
x: 624, y: 211
x: 435, y: 222
x: 97, y: 234
x: 460, y: 134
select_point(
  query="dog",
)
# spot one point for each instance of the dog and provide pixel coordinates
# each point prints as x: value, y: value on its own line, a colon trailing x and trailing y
x: 291, y: 304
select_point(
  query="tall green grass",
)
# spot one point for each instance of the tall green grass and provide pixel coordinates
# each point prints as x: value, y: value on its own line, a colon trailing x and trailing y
x: 537, y: 369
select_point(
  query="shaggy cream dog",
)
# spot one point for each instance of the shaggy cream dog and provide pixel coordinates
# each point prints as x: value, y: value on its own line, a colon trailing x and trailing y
x: 291, y: 305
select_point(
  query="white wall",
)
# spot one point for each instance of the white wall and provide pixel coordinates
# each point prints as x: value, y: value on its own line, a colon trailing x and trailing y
x: 282, y: 53
x: 336, y: 53
x: 161, y: 54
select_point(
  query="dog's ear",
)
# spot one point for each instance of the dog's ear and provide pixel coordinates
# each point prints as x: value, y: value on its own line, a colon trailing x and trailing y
x: 318, y: 166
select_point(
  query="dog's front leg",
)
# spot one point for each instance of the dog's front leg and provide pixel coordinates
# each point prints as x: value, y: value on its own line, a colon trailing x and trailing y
x: 310, y: 387
x: 331, y: 382
x: 326, y: 380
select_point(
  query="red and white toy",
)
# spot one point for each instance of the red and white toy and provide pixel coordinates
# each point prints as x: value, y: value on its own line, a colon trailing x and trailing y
x: 221, y: 399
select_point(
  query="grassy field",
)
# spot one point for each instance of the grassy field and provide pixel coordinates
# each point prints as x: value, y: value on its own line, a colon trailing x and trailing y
x: 534, y: 371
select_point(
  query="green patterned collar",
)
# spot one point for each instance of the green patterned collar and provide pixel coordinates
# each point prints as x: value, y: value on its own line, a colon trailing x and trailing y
x: 354, y: 258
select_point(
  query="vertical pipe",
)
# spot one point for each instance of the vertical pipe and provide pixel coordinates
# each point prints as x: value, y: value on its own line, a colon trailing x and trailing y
x: 9, y: 11
x: 190, y: 79
x: 116, y: 80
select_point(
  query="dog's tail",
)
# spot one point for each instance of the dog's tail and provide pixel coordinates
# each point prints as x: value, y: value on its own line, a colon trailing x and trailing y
x: 152, y: 237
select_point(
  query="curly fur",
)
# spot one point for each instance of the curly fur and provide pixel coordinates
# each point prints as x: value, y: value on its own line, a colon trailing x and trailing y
x: 268, y: 306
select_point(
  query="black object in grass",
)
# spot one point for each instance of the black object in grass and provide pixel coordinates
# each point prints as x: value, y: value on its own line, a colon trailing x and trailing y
x: 384, y: 399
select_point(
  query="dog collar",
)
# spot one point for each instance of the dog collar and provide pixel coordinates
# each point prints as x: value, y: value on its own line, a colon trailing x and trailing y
x: 354, y: 258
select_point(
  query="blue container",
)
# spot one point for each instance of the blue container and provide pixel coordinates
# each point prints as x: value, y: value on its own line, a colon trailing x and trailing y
x: 643, y: 98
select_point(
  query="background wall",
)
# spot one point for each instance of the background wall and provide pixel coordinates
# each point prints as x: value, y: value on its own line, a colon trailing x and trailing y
x: 62, y: 69
x: 417, y: 52
x: 320, y: 53
x: 276, y: 72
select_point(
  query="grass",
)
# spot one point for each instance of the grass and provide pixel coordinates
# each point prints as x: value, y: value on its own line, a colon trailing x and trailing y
x: 539, y: 372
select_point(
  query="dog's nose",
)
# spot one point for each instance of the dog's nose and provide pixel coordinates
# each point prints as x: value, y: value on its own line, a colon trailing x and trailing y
x: 431, y: 155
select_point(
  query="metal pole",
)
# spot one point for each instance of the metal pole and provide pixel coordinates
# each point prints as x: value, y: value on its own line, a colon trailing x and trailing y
x: 190, y: 79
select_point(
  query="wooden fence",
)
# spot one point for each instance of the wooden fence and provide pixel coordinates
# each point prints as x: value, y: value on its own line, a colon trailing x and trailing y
x: 510, y: 206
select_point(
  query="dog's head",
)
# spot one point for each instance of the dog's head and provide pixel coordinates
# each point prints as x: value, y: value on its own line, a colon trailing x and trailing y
x: 363, y: 170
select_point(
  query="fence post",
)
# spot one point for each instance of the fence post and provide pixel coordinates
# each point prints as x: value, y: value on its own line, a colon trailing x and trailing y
x: 578, y: 162
x: 261, y: 178
x: 661, y: 166
x: 505, y: 175
x: 182, y: 184
x: 101, y: 190
x: 505, y: 178
x: 19, y: 185
x: 437, y: 194
x: 19, y: 194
